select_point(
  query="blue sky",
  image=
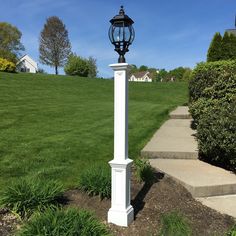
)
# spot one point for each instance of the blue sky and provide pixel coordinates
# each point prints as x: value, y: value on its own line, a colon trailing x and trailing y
x: 169, y: 33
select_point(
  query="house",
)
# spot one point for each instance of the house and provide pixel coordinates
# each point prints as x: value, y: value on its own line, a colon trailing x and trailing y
x: 232, y: 31
x: 27, y: 64
x: 141, y: 76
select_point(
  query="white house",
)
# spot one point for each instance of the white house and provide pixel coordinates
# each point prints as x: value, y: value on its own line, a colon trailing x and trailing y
x: 142, y: 76
x: 27, y: 64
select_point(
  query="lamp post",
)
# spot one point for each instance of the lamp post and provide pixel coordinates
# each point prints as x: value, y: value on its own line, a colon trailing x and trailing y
x: 121, y: 34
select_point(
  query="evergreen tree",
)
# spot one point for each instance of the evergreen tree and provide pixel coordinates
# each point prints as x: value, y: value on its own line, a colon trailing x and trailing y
x: 215, y: 50
x: 226, y: 47
x: 54, y: 45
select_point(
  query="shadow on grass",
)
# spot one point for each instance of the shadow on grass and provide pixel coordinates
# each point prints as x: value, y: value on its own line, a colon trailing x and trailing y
x: 138, y: 202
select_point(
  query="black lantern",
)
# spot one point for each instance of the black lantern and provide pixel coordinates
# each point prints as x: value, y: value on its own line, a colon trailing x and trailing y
x: 121, y: 33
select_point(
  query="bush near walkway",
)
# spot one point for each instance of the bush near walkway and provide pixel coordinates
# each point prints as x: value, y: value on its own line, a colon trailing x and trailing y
x: 214, y: 112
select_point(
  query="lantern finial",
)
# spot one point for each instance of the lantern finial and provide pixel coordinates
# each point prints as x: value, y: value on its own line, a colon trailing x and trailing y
x: 122, y: 12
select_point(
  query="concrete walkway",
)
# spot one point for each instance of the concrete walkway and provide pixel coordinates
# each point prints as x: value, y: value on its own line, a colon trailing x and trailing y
x: 173, y: 151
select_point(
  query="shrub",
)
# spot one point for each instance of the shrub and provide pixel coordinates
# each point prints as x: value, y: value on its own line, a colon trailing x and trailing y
x: 232, y: 232
x: 144, y: 171
x: 222, y: 91
x: 64, y: 223
x: 174, y: 224
x: 96, y: 180
x: 76, y: 66
x: 216, y: 134
x: 7, y: 66
x: 26, y: 196
x: 205, y: 74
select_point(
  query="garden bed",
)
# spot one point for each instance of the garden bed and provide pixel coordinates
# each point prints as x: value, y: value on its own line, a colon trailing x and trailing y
x: 151, y: 202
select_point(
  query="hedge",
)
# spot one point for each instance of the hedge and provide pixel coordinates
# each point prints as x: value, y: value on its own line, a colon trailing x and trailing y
x: 7, y: 66
x: 214, y: 112
x: 205, y: 74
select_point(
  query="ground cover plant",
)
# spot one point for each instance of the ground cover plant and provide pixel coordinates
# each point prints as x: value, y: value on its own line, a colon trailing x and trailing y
x: 52, y: 127
x: 24, y: 197
x: 175, y: 224
x: 96, y: 180
x: 64, y: 222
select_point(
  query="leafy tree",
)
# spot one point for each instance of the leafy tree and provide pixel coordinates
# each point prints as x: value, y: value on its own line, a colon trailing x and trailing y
x: 143, y: 68
x: 77, y: 65
x: 92, y: 64
x: 187, y: 74
x: 162, y: 75
x: 177, y: 73
x: 10, y: 45
x: 54, y: 47
x: 215, y: 50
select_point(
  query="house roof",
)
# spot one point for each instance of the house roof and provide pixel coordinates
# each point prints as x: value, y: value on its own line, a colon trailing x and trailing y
x: 140, y: 74
x: 28, y: 59
x: 231, y: 31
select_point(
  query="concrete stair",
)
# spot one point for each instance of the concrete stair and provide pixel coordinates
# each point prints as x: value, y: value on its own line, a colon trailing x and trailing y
x: 173, y: 151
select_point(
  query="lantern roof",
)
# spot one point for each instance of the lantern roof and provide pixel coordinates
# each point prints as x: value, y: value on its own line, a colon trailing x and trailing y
x: 122, y: 17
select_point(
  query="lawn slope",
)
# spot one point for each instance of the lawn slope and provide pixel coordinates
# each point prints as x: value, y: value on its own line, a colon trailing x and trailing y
x: 53, y: 126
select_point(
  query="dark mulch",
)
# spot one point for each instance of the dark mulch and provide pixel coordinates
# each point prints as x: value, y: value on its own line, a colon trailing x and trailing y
x: 149, y: 202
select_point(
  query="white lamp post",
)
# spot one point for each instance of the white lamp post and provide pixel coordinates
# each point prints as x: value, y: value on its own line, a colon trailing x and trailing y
x: 121, y: 213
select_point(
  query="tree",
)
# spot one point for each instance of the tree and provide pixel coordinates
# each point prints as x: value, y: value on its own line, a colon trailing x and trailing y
x: 92, y: 64
x: 162, y: 75
x: 143, y: 68
x: 76, y: 65
x: 215, y: 50
x: 187, y: 74
x: 54, y: 46
x: 177, y: 73
x: 10, y: 45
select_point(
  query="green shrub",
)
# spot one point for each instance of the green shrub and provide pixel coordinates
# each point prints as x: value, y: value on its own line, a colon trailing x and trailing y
x: 144, y: 171
x: 61, y: 222
x: 222, y: 91
x: 77, y: 66
x: 205, y: 74
x: 232, y: 232
x: 216, y: 131
x: 26, y: 196
x: 174, y: 224
x: 96, y: 180
x: 7, y: 66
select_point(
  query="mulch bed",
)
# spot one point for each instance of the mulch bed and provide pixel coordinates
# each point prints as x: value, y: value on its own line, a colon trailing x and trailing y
x: 149, y: 202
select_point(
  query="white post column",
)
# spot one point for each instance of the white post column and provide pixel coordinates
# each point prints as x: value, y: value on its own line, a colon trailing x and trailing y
x: 121, y: 212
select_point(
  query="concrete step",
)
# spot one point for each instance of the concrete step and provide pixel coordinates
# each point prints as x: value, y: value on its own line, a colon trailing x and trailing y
x: 224, y: 204
x: 175, y: 139
x: 199, y: 178
x: 180, y: 112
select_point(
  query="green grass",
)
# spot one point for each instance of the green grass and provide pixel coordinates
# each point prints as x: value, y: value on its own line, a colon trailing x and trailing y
x: 53, y: 127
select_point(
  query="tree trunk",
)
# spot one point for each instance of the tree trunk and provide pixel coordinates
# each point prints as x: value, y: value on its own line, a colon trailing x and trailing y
x: 56, y: 70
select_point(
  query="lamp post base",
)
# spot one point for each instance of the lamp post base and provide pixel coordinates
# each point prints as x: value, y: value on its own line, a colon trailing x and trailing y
x: 121, y: 217
x: 121, y: 212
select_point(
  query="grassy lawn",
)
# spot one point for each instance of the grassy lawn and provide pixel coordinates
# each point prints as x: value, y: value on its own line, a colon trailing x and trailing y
x: 54, y: 126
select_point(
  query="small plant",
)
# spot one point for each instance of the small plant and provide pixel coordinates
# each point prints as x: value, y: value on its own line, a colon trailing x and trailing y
x: 7, y: 66
x: 60, y: 222
x: 174, y: 224
x: 144, y: 171
x: 26, y: 196
x: 96, y: 180
x: 232, y: 232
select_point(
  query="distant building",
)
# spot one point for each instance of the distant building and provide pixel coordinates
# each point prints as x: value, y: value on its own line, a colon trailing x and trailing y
x: 142, y: 76
x: 232, y: 31
x: 27, y: 64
